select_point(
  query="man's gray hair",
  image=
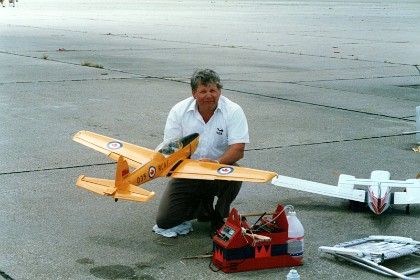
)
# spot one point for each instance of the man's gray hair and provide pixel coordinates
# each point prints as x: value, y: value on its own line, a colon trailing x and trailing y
x: 205, y: 77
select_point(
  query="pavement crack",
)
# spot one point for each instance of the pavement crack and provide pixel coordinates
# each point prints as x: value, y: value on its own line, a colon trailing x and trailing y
x: 5, y: 275
x: 327, y: 142
x: 56, y: 168
x: 322, y: 105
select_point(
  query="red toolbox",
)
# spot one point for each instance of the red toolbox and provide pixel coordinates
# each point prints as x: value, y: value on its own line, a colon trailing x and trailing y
x: 237, y: 246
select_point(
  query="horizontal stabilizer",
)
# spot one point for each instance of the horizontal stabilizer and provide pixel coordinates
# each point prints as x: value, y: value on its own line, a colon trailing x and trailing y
x: 107, y: 187
x: 139, y: 196
x: 99, y: 186
x: 411, y: 195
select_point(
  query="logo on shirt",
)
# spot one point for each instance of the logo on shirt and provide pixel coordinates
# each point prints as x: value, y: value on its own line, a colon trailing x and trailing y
x: 219, y: 131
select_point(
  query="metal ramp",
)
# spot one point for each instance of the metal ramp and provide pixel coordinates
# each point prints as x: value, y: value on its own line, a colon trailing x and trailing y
x: 369, y: 252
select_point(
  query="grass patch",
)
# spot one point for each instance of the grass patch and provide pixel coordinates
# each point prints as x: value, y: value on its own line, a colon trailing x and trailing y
x: 91, y: 64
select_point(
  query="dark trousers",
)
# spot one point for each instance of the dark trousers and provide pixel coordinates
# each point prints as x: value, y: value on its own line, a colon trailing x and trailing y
x: 188, y: 199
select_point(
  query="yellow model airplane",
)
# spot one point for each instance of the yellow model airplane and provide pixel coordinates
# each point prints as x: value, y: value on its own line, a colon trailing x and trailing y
x: 170, y: 159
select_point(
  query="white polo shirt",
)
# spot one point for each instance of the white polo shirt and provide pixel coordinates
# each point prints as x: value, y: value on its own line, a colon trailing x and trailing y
x: 227, y: 126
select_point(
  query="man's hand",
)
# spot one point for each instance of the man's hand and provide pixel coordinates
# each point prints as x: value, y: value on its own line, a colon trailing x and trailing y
x: 209, y: 160
x: 234, y: 153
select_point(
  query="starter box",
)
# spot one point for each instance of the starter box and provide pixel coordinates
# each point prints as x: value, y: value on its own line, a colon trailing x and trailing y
x: 237, y: 246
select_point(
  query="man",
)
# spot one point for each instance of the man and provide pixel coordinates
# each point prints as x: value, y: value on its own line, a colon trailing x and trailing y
x: 223, y: 131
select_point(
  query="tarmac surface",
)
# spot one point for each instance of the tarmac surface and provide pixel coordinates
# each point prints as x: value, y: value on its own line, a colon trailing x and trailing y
x: 326, y: 85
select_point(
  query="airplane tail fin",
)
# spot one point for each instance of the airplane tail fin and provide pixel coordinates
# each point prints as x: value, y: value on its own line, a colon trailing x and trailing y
x: 118, y: 188
x: 123, y: 171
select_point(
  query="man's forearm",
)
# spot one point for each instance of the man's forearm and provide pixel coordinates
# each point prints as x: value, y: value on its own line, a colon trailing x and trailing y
x: 234, y: 153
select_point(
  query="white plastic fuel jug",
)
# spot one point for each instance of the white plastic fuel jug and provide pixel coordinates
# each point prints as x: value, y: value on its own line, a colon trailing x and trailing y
x: 295, y: 242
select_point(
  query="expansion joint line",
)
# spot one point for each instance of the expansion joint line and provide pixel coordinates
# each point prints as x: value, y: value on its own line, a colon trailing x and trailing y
x: 326, y: 142
x: 5, y: 275
x: 55, y: 168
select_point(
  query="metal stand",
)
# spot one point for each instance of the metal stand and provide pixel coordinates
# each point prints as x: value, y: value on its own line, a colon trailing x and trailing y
x: 369, y: 252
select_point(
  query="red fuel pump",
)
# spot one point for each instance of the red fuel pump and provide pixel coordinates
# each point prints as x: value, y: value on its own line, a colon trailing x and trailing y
x: 237, y: 246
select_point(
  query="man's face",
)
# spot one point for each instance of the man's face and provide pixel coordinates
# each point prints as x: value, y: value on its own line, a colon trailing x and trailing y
x: 207, y: 97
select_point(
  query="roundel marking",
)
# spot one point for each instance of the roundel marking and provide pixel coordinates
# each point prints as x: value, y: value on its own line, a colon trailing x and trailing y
x: 114, y: 145
x: 152, y: 171
x: 225, y: 170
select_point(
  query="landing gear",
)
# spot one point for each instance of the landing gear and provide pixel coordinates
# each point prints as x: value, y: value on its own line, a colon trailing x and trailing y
x: 356, y: 206
x: 407, y: 209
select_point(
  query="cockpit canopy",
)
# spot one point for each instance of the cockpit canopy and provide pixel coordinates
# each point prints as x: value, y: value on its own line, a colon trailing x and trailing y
x: 170, y: 146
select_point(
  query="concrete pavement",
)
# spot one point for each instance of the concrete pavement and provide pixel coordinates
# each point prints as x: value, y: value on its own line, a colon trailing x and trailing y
x: 326, y: 85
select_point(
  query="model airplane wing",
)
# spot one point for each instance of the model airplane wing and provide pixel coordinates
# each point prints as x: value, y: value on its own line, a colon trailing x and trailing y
x: 136, y: 156
x: 411, y: 195
x: 347, y: 189
x: 193, y: 169
x: 344, y: 189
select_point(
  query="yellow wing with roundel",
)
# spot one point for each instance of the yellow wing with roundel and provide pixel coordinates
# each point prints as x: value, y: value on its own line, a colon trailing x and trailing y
x: 136, y: 156
x: 194, y: 169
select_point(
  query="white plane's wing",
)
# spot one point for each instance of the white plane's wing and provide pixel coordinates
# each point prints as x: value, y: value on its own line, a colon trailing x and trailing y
x: 411, y: 195
x: 345, y: 188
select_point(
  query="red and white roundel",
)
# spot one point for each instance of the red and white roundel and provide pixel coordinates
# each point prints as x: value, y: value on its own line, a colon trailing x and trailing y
x: 152, y: 171
x: 225, y: 170
x: 114, y: 145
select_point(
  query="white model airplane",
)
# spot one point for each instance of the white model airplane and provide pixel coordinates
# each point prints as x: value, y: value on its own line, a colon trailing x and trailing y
x: 379, y: 192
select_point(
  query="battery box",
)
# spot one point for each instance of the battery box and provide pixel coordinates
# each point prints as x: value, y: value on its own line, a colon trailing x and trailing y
x: 237, y: 246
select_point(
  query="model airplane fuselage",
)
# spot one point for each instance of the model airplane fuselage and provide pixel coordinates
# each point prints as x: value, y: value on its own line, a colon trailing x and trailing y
x: 170, y: 159
x: 378, y: 192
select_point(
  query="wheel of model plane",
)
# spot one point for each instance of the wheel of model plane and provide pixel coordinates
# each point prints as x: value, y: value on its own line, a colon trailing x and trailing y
x: 356, y: 206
